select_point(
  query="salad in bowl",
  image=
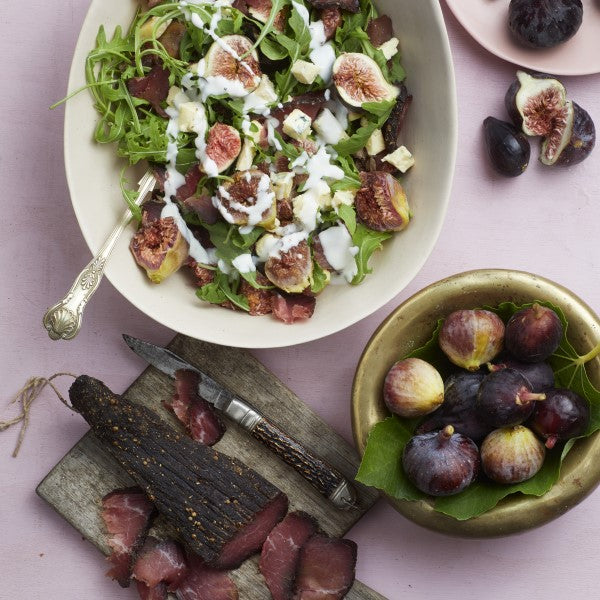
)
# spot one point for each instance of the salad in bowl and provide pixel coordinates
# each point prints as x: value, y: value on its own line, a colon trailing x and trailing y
x: 273, y: 130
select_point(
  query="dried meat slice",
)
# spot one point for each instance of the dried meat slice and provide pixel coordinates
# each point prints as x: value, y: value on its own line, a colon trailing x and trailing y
x: 196, y: 414
x: 153, y: 87
x: 281, y: 551
x: 290, y: 309
x: 127, y: 515
x: 325, y: 568
x: 158, y: 592
x: 205, y: 583
x: 160, y: 561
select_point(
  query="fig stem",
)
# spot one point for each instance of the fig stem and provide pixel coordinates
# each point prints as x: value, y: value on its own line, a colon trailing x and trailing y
x: 447, y: 432
x: 584, y: 358
x: 551, y: 442
x: 525, y: 397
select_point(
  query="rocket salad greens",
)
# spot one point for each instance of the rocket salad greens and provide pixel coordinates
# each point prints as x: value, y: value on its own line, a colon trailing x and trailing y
x: 272, y: 127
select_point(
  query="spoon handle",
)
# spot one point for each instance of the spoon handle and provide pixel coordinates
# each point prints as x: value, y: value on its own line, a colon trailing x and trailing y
x: 63, y: 320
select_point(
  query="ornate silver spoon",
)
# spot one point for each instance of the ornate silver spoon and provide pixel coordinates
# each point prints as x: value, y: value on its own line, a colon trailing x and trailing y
x: 63, y: 320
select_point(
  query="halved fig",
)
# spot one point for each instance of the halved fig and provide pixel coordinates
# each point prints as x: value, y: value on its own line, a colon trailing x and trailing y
x: 261, y: 11
x: 259, y: 300
x: 248, y: 199
x: 536, y: 103
x: 352, y: 6
x: 582, y: 141
x: 219, y: 62
x: 291, y: 268
x: 223, y: 145
x: 381, y: 202
x: 159, y: 248
x: 359, y: 79
x: 559, y: 136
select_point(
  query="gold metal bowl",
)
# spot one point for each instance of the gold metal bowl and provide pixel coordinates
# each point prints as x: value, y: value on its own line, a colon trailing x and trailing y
x: 411, y: 325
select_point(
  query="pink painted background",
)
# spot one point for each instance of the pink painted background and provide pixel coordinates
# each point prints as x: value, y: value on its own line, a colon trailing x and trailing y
x: 545, y: 221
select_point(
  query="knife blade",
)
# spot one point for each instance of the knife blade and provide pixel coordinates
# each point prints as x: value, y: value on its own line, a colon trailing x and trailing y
x: 327, y: 480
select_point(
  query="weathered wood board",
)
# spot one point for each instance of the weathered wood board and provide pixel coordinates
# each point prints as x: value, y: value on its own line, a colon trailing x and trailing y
x: 75, y: 486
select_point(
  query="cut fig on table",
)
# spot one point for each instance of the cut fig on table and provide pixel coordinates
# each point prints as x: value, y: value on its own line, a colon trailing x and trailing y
x: 581, y: 141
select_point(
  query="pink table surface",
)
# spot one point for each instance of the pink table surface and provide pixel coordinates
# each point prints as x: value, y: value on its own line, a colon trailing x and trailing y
x: 545, y: 221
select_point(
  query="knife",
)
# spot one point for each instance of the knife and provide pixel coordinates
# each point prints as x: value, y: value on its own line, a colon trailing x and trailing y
x: 328, y: 481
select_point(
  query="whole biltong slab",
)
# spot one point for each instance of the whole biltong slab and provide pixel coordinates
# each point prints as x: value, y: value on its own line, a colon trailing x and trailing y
x: 222, y: 509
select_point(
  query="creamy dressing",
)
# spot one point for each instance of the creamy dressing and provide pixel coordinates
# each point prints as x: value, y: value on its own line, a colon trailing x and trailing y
x: 244, y: 263
x: 322, y: 53
x: 174, y: 180
x: 339, y: 251
x: 263, y: 202
x: 287, y: 242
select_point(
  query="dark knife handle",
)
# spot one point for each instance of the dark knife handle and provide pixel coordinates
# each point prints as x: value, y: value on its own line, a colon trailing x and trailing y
x: 332, y: 484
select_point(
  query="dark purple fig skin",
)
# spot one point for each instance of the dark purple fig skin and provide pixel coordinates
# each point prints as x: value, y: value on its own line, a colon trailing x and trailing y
x: 561, y: 416
x: 441, y: 463
x: 459, y: 407
x: 539, y: 375
x: 505, y: 398
x: 544, y: 23
x: 533, y: 334
x: 510, y: 98
x: 583, y: 138
x: 507, y: 147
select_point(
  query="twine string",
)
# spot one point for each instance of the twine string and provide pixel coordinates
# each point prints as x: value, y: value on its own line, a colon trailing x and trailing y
x: 26, y: 396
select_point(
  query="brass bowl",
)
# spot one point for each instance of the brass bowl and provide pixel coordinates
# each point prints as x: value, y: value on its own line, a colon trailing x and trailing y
x: 411, y: 325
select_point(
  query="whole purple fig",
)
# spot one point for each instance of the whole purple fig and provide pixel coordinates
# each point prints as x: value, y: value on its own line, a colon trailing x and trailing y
x: 540, y: 375
x: 563, y: 415
x: 533, y: 334
x: 471, y: 338
x: 413, y: 388
x: 512, y: 454
x: 459, y: 407
x: 441, y: 463
x: 505, y: 398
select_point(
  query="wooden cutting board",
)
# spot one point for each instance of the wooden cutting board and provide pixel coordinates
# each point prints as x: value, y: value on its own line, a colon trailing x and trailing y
x: 77, y: 483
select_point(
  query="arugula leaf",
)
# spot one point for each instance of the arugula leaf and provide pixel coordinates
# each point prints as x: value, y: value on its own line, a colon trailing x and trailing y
x: 271, y: 49
x: 367, y: 241
x: 358, y: 139
x: 319, y: 279
x: 348, y: 215
x: 251, y: 278
x: 220, y: 290
x: 379, y: 109
x: 130, y: 197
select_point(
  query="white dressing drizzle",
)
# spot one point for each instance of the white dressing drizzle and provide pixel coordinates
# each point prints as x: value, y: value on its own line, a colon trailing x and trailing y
x: 339, y: 251
x: 174, y: 180
x: 244, y: 263
x: 322, y: 53
x: 263, y: 202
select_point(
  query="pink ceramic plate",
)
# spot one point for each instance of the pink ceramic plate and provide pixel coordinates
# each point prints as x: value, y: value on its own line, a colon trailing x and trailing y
x: 487, y: 22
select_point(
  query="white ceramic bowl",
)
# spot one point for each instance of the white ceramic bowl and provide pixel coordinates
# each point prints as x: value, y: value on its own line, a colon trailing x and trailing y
x: 430, y: 133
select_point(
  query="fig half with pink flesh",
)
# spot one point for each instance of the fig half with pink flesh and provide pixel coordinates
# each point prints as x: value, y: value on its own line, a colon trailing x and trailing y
x: 358, y: 79
x: 220, y: 62
x: 223, y: 146
x: 381, y: 202
x: 159, y: 248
